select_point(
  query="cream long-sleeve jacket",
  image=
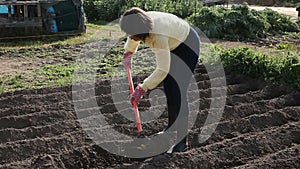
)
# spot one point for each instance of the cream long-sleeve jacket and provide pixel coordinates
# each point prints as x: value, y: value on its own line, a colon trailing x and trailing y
x: 167, y: 34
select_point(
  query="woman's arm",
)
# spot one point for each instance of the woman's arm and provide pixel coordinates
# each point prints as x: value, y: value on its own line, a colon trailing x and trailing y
x: 131, y: 45
x: 163, y: 60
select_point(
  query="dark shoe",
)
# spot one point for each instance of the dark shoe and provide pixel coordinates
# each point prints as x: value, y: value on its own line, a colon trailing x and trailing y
x: 180, y: 147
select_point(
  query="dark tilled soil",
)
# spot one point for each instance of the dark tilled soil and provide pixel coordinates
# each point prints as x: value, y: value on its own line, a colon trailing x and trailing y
x: 260, y: 128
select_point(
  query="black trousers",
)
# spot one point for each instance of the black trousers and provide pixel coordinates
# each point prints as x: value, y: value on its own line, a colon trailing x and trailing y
x: 183, y: 62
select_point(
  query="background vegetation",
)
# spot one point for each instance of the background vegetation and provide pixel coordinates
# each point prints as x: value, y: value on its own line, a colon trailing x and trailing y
x: 241, y: 22
x: 238, y: 22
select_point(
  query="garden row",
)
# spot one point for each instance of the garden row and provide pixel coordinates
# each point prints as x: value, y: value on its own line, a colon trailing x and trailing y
x: 237, y: 22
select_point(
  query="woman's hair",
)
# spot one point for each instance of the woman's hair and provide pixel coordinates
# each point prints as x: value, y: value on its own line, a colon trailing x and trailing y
x: 136, y: 22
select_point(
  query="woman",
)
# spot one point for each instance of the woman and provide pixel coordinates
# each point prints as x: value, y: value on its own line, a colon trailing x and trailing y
x: 170, y: 38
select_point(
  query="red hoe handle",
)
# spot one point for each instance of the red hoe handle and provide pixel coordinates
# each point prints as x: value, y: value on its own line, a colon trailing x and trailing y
x: 135, y: 107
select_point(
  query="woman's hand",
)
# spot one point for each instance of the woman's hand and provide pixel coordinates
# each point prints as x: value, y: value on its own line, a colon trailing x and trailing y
x: 137, y: 94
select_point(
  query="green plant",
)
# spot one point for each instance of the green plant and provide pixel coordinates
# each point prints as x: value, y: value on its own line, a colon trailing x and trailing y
x: 12, y: 82
x: 51, y: 75
x: 3, y: 81
x: 284, y: 46
x: 277, y: 68
x: 279, y: 23
x: 240, y: 22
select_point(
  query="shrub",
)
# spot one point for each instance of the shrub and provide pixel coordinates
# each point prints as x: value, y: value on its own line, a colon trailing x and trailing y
x: 279, y: 23
x: 245, y: 61
x: 208, y: 21
x: 237, y: 22
x: 240, y: 22
x: 283, y: 68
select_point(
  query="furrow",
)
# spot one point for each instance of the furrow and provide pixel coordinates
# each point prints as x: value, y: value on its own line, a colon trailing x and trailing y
x: 34, y: 119
x: 286, y: 158
x: 57, y: 128
x: 23, y: 149
x: 232, y: 152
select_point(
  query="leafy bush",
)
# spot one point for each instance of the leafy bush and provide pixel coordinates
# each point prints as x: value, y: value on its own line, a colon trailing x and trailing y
x: 245, y: 61
x: 279, y: 23
x: 237, y: 22
x: 240, y: 22
x: 208, y: 21
x: 278, y: 68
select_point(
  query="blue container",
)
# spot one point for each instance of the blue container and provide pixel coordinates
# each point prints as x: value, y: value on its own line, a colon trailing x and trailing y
x: 51, y: 12
x: 4, y: 9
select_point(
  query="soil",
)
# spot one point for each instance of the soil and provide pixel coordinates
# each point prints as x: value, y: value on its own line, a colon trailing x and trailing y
x: 40, y: 129
x: 259, y: 129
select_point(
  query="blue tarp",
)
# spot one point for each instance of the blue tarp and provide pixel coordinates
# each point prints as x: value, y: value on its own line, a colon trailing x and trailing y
x: 4, y: 9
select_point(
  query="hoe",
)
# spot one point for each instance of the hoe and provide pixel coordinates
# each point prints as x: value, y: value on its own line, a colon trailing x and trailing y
x: 134, y: 103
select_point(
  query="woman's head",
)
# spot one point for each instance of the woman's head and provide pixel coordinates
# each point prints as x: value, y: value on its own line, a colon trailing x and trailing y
x: 136, y: 23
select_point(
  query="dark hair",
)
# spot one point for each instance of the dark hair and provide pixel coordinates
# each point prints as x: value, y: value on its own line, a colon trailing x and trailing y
x: 136, y: 22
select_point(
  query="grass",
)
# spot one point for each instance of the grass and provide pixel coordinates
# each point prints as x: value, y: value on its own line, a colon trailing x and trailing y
x: 54, y: 75
x: 12, y: 82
